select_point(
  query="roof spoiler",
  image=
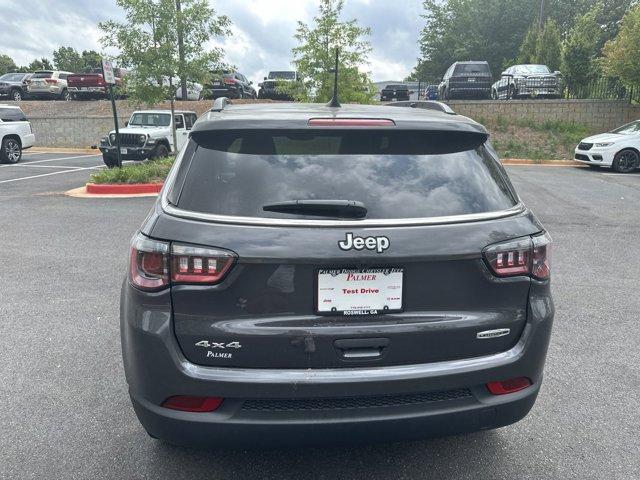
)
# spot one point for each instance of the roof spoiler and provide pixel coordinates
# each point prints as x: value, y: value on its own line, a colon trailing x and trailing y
x: 220, y: 104
x: 425, y: 104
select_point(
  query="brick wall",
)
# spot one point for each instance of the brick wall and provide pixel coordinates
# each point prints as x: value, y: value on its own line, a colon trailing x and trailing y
x: 600, y: 115
x: 69, y: 130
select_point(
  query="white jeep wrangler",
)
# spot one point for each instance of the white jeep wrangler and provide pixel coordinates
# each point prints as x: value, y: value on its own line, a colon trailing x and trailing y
x: 148, y: 134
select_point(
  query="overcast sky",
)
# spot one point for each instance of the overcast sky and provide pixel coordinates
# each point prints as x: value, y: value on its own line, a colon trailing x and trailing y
x: 262, y: 30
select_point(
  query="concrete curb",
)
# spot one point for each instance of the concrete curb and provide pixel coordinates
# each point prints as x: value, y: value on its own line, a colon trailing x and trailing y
x: 541, y: 163
x: 81, y: 192
x: 123, y: 188
x: 62, y: 150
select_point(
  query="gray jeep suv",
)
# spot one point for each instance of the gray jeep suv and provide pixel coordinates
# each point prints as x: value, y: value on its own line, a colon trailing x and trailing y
x: 313, y: 274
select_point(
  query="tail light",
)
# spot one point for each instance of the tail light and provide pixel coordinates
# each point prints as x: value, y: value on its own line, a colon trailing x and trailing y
x: 526, y: 256
x: 149, y: 268
x: 51, y: 81
x: 508, y: 386
x: 199, y: 265
x: 187, y: 403
x: 229, y: 81
x: 155, y: 265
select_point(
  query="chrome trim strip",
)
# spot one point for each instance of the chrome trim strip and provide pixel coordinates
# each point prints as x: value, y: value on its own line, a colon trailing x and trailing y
x: 278, y: 222
x: 361, y: 375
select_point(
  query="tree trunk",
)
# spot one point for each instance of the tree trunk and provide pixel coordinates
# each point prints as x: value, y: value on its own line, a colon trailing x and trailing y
x: 183, y: 79
x: 173, y: 116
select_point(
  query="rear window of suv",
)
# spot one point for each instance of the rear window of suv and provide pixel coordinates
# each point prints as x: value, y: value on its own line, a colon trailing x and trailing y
x: 42, y: 75
x: 397, y: 175
x: 472, y: 68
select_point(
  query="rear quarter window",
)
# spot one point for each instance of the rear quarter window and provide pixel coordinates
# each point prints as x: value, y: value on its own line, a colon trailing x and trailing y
x: 12, y: 115
x: 396, y: 175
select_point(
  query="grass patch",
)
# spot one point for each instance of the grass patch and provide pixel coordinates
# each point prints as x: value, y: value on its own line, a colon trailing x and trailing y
x: 148, y: 171
x: 528, y: 138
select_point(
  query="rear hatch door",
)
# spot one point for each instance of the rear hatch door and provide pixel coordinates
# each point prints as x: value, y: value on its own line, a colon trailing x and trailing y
x: 310, y: 291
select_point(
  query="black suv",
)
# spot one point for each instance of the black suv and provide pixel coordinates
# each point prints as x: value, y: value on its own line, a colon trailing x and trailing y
x: 470, y: 80
x: 269, y: 87
x: 13, y: 85
x: 312, y: 274
x: 394, y: 92
x: 230, y: 85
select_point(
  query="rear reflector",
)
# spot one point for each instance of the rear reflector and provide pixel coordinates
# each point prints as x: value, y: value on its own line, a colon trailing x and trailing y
x: 187, y: 403
x: 351, y: 122
x: 508, y: 386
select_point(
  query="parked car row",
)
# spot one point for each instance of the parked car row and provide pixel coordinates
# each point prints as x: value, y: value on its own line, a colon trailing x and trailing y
x: 473, y: 80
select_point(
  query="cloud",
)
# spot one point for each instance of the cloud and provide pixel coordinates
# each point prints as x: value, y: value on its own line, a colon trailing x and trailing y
x: 262, y: 36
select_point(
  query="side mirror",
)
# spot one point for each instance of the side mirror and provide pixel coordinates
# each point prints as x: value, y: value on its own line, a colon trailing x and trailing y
x: 126, y: 124
x: 558, y: 73
x: 251, y: 83
x: 264, y: 78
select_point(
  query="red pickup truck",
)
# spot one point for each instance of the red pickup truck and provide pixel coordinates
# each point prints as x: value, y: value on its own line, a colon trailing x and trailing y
x: 90, y: 85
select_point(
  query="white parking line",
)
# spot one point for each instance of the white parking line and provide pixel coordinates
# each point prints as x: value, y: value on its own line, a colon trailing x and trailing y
x: 26, y: 165
x: 52, y: 160
x: 46, y: 174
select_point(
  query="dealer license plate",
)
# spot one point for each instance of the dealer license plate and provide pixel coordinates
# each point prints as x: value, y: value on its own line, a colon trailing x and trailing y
x: 360, y: 291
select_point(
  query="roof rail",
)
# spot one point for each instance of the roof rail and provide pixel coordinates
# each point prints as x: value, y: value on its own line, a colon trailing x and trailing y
x: 425, y: 104
x: 220, y: 104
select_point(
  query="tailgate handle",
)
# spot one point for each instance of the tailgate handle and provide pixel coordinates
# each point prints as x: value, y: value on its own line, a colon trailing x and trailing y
x: 355, y: 348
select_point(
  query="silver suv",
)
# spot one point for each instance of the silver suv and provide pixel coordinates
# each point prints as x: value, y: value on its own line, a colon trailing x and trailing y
x: 49, y: 84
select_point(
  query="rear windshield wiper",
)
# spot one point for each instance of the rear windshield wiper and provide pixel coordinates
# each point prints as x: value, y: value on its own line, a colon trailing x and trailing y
x: 320, y: 208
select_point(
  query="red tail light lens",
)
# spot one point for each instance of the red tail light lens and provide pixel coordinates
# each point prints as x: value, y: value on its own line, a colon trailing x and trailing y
x: 190, y: 264
x: 541, y: 260
x: 526, y: 256
x: 351, y: 122
x: 51, y: 81
x: 508, y: 386
x: 188, y: 403
x: 149, y: 269
x: 229, y: 81
x: 154, y: 264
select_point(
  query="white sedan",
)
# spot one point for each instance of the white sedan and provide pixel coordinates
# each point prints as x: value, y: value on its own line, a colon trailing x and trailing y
x: 619, y: 149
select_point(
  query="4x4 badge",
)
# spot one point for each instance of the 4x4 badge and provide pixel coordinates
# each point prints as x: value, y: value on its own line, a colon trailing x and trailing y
x: 379, y: 244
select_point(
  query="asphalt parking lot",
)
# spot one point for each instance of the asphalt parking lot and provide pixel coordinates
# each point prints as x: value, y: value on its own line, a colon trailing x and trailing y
x: 65, y: 412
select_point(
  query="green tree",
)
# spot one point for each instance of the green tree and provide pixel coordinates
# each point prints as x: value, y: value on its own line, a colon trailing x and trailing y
x: 91, y: 60
x: 7, y: 64
x: 314, y: 57
x: 582, y: 48
x: 148, y: 44
x: 622, y: 55
x: 455, y: 30
x: 39, y: 64
x: 529, y: 49
x: 549, y: 46
x: 67, y: 58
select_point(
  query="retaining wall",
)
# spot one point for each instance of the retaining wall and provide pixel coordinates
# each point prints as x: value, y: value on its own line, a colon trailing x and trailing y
x: 599, y: 115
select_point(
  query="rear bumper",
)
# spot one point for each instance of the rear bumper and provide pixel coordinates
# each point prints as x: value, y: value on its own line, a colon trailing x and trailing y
x: 230, y: 92
x: 88, y: 91
x: 28, y: 140
x: 156, y: 369
x: 469, y: 92
x: 230, y: 426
